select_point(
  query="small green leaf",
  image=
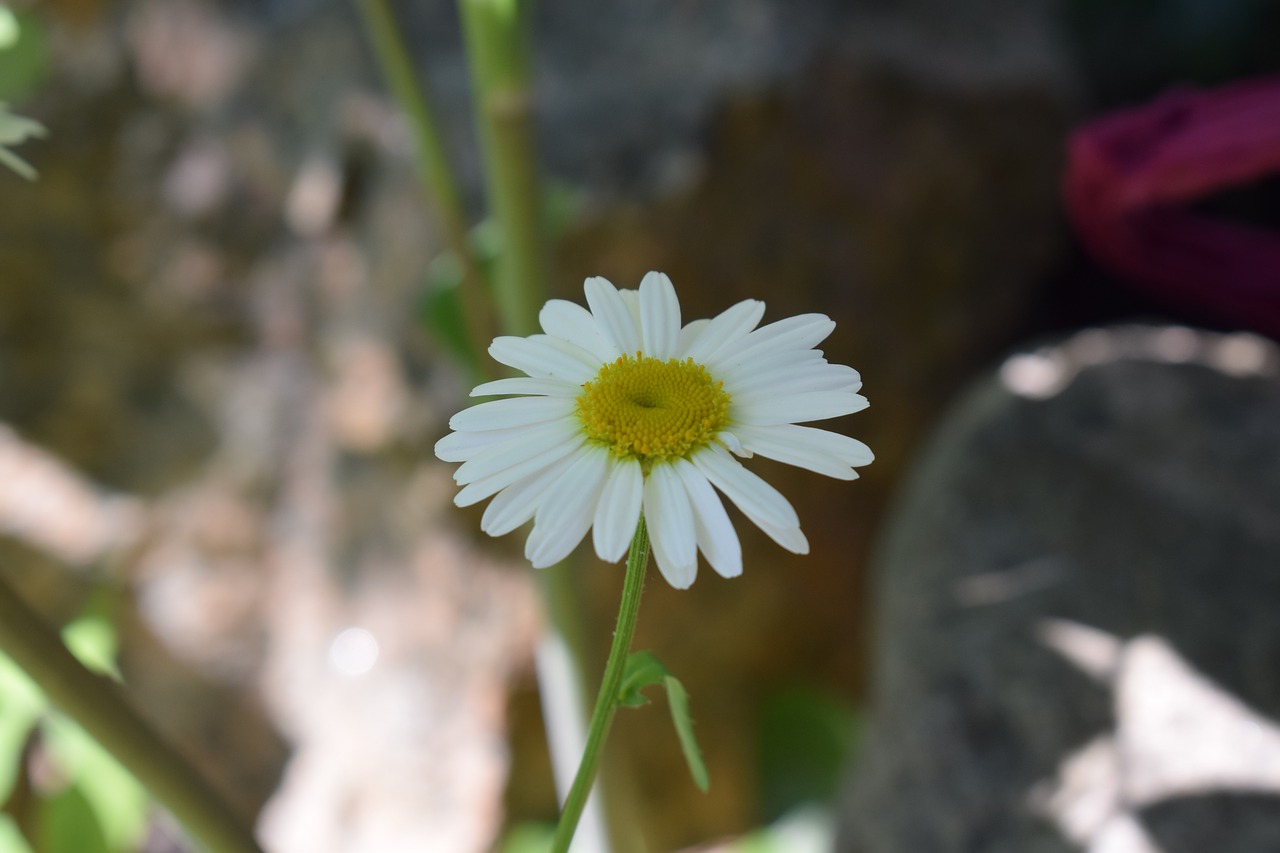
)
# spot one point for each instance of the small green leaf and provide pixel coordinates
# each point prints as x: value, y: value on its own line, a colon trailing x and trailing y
x: 679, y: 701
x: 68, y: 825
x: 115, y: 798
x: 25, y: 55
x: 643, y: 670
x: 11, y: 840
x: 92, y: 639
x: 21, y: 705
x: 441, y: 309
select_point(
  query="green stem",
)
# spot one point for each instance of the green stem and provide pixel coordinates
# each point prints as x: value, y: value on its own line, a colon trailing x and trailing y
x: 495, y: 38
x: 97, y: 704
x: 607, y: 701
x: 432, y: 162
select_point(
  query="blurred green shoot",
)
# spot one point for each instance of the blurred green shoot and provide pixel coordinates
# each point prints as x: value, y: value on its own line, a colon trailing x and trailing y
x: 15, y: 130
x: 806, y: 738
x: 24, y: 54
x: 99, y: 807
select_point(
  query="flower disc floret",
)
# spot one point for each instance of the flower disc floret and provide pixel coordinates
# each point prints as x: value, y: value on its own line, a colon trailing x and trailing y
x: 653, y: 410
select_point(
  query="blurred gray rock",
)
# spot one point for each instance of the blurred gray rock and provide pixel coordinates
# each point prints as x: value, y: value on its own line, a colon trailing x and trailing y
x: 1077, y: 640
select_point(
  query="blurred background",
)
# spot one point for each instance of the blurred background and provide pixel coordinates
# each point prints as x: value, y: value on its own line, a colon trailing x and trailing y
x: 221, y: 374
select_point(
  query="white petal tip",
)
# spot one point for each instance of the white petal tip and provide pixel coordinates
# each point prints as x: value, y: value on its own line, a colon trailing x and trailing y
x: 681, y: 581
x: 730, y: 572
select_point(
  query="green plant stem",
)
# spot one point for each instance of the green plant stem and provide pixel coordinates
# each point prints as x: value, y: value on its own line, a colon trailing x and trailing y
x: 607, y: 701
x: 97, y: 703
x: 433, y: 164
x: 496, y: 47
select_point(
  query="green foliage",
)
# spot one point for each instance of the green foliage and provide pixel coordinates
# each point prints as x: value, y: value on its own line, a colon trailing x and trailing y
x: 24, y: 54
x: 678, y: 699
x: 522, y: 838
x: 806, y: 738
x: 21, y: 705
x: 14, y: 130
x: 67, y: 824
x: 117, y: 802
x: 441, y: 310
x: 102, y: 809
x: 11, y: 840
x: 643, y: 670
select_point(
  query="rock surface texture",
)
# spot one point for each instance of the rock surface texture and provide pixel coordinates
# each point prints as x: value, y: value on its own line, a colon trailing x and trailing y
x: 1077, y: 647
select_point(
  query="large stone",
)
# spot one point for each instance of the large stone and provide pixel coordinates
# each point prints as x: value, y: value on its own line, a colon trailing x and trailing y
x: 1077, y: 636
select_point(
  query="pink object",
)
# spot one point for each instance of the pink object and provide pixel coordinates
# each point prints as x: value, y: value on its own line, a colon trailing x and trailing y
x: 1131, y: 174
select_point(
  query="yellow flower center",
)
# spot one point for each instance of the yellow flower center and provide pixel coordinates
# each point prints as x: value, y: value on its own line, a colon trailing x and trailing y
x: 653, y: 410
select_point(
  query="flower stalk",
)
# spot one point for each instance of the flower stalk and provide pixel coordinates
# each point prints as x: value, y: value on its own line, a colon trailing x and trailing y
x: 432, y: 162
x: 97, y: 704
x: 608, y: 701
x: 495, y: 36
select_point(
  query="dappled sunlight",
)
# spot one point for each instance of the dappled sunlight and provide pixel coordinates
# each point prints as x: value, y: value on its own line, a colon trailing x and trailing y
x: 1176, y: 734
x: 1045, y: 371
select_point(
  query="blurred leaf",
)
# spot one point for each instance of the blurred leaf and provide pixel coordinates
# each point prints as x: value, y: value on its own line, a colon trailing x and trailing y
x: 68, y: 825
x: 679, y: 701
x: 15, y: 129
x: 24, y: 59
x: 441, y: 309
x: 117, y: 799
x: 806, y: 738
x: 525, y: 838
x: 486, y: 241
x: 563, y: 203
x: 11, y: 840
x: 92, y: 639
x: 642, y: 670
x: 119, y: 802
x: 10, y: 29
x: 21, y: 704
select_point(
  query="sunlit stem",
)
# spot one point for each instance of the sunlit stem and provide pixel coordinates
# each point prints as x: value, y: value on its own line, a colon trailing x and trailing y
x: 98, y: 705
x: 607, y: 701
x: 433, y: 166
x: 497, y: 48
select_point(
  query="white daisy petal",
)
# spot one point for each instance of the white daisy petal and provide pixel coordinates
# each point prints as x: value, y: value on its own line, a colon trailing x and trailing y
x: 792, y: 380
x: 527, y: 385
x: 816, y: 450
x: 618, y: 512
x: 612, y: 314
x: 760, y: 502
x: 478, y: 490
x: 767, y: 366
x: 571, y: 322
x: 793, y: 333
x: 689, y: 335
x: 540, y: 357
x: 731, y: 441
x: 799, y: 408
x: 631, y: 299
x: 529, y: 444
x: 659, y: 316
x: 623, y: 388
x: 461, y: 446
x: 791, y: 538
x: 564, y: 515
x: 716, y: 537
x: 517, y: 503
x: 670, y: 520
x: 511, y: 412
x: 730, y: 325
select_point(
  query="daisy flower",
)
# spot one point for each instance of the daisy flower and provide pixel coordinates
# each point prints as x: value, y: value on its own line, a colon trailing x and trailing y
x: 623, y: 411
